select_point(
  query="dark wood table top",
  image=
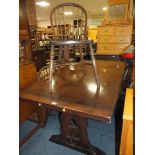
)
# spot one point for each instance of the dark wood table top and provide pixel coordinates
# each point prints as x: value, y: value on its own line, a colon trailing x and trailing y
x: 78, y: 94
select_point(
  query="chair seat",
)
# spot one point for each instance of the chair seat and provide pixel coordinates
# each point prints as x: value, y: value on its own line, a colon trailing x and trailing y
x: 71, y: 42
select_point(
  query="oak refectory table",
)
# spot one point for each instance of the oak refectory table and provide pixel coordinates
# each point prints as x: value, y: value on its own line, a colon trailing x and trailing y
x: 77, y: 97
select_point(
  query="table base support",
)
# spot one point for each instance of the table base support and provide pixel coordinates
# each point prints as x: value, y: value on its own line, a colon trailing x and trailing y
x: 74, y: 135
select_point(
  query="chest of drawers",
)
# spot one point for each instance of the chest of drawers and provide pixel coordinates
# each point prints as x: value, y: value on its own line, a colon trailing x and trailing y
x: 113, y: 39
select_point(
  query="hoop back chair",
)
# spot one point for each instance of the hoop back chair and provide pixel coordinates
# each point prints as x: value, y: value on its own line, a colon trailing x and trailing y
x: 69, y: 25
x: 69, y: 22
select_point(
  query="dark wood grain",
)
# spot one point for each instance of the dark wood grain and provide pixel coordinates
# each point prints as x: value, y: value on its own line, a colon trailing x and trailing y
x: 74, y: 135
x: 78, y: 94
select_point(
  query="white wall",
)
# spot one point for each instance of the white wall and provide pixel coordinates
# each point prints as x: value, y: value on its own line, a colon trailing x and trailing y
x: 92, y: 22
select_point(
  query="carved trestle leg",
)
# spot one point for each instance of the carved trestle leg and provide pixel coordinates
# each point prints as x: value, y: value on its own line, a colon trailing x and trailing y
x: 42, y: 116
x: 42, y: 120
x: 74, y: 135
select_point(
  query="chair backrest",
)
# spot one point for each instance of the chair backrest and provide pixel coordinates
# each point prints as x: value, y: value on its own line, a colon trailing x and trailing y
x: 43, y: 73
x: 69, y: 22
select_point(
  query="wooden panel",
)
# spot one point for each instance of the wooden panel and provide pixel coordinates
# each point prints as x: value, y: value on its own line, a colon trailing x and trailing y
x: 27, y: 74
x: 114, y: 39
x: 49, y: 30
x: 23, y: 23
x: 129, y: 141
x: 41, y: 29
x: 21, y: 77
x: 115, y: 30
x: 39, y: 58
x: 126, y: 147
x: 128, y: 107
x: 112, y: 2
x: 111, y: 48
x: 92, y: 33
x: 25, y: 111
x: 112, y: 18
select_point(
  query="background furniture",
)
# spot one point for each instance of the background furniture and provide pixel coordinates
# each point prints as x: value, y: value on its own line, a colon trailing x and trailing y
x: 119, y: 11
x: 113, y: 39
x: 24, y: 36
x: 92, y: 34
x: 128, y: 80
x: 127, y: 137
x: 78, y: 100
x: 34, y: 38
x: 116, y: 32
x: 27, y: 75
x: 43, y: 37
x: 39, y: 58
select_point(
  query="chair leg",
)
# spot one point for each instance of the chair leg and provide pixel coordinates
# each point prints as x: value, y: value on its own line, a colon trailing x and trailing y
x: 60, y: 54
x: 82, y: 62
x: 94, y: 65
x: 51, y: 68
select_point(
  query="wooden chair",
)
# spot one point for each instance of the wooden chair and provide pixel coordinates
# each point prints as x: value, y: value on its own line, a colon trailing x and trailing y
x: 69, y: 25
x: 43, y: 73
x: 69, y: 22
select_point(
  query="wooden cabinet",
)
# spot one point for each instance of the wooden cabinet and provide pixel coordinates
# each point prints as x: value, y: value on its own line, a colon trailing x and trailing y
x: 39, y: 58
x: 28, y: 110
x: 27, y: 74
x: 113, y: 39
x: 117, y: 28
x: 126, y: 147
x: 114, y: 30
x: 115, y: 34
x: 25, y: 111
x: 92, y: 34
x: 119, y: 11
x: 111, y: 49
x: 126, y: 39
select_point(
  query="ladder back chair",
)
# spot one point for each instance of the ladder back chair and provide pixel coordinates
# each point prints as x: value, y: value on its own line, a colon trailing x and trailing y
x: 69, y: 25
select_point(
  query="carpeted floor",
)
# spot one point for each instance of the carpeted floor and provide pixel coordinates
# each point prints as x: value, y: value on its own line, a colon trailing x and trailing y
x: 100, y: 134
